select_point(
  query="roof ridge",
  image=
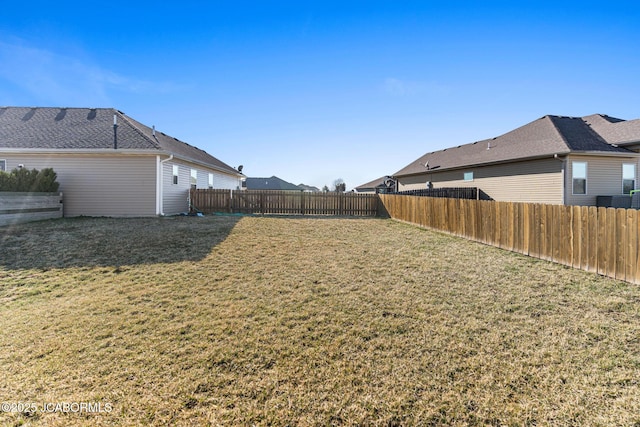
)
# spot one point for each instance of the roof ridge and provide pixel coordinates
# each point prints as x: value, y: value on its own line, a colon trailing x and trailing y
x: 133, y: 125
x: 557, y: 130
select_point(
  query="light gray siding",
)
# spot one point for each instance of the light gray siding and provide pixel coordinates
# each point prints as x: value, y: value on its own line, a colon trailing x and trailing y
x: 176, y: 196
x: 224, y: 181
x: 535, y: 181
x: 99, y: 185
x: 220, y: 180
x: 604, y: 178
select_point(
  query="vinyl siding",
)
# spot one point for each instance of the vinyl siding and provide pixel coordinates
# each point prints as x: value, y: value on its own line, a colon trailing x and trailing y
x: 223, y: 181
x: 176, y: 197
x: 604, y: 178
x: 536, y: 181
x: 220, y: 180
x: 99, y: 185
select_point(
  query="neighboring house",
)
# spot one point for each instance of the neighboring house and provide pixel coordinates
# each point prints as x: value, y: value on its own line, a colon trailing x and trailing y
x: 383, y: 184
x: 107, y: 163
x: 309, y: 188
x: 553, y: 160
x: 273, y: 183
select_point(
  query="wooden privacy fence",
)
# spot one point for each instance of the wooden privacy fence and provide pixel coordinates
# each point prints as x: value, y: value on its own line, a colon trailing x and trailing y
x: 596, y: 239
x: 284, y: 202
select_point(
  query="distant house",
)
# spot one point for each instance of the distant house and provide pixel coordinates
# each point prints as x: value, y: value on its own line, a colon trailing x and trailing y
x: 273, y: 183
x: 553, y: 160
x: 383, y: 184
x: 309, y: 188
x: 108, y: 164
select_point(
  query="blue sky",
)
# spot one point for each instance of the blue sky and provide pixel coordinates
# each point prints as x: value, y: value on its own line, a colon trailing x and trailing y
x: 316, y: 91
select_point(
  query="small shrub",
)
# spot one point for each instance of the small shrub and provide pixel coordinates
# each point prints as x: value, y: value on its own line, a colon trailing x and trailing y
x: 25, y: 180
x: 46, y: 181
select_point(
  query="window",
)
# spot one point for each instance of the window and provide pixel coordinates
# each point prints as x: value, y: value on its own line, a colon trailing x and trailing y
x: 176, y: 171
x: 468, y: 176
x: 3, y: 165
x: 579, y: 175
x: 210, y: 180
x: 628, y: 177
x: 194, y: 178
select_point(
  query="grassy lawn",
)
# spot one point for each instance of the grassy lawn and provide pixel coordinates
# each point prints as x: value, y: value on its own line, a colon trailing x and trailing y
x: 279, y: 321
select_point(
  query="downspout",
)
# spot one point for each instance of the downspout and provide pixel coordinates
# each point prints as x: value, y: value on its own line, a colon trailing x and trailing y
x: 160, y: 207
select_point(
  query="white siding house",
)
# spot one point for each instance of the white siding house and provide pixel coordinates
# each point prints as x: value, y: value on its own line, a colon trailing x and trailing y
x: 107, y: 170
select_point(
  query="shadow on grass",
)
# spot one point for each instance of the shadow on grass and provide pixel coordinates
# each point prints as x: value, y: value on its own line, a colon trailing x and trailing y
x: 88, y: 242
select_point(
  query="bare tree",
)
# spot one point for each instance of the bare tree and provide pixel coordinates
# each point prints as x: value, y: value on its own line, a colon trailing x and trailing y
x: 339, y: 186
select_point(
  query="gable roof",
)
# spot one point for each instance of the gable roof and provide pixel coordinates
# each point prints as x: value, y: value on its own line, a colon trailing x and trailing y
x: 547, y: 136
x: 47, y: 128
x: 372, y: 185
x: 273, y: 183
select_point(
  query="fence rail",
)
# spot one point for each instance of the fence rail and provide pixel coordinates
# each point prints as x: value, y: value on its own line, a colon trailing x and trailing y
x: 284, y: 202
x: 596, y: 239
x: 452, y: 192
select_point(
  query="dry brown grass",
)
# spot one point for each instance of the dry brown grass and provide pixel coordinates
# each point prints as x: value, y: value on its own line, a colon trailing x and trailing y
x: 279, y: 321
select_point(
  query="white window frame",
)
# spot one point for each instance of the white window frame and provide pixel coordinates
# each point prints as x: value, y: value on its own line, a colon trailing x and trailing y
x: 210, y: 180
x: 3, y: 165
x: 193, y: 177
x: 574, y: 177
x: 629, y: 167
x: 468, y: 176
x: 176, y: 174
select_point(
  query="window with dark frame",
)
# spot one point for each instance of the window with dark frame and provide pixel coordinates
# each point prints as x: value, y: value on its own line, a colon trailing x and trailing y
x: 3, y: 165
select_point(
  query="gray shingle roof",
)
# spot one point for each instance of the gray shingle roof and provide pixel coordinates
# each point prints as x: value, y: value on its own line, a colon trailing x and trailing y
x: 615, y: 131
x: 90, y: 128
x: 546, y: 136
x: 371, y: 185
x: 273, y: 183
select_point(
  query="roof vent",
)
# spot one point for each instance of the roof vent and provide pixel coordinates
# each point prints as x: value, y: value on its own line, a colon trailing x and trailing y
x: 61, y: 114
x: 29, y: 114
x: 489, y: 145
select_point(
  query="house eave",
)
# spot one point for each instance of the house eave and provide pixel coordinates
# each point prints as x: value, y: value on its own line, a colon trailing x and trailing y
x: 481, y: 164
x: 207, y: 165
x: 79, y: 151
x: 113, y: 152
x: 559, y: 155
x: 605, y: 153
